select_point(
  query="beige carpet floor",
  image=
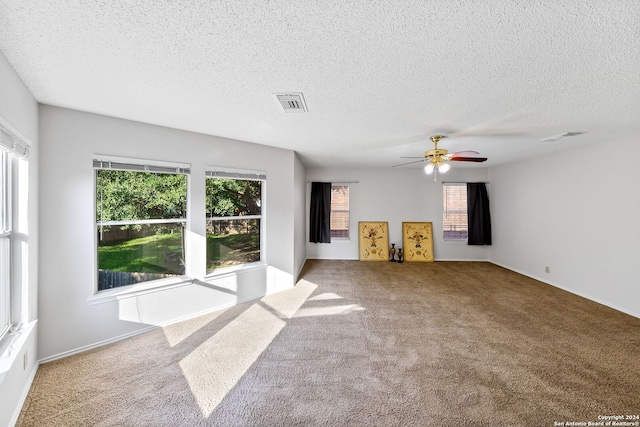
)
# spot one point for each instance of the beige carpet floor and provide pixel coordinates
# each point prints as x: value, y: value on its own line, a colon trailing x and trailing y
x: 363, y: 344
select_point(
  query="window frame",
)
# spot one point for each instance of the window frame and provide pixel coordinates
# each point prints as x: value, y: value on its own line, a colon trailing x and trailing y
x: 102, y: 162
x: 348, y: 211
x: 6, y: 286
x: 14, y: 206
x: 445, y: 211
x: 213, y: 172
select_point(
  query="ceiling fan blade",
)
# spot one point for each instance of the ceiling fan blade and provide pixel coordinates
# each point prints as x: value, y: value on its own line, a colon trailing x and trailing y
x: 403, y: 164
x: 468, y: 159
x: 415, y: 157
x: 465, y: 153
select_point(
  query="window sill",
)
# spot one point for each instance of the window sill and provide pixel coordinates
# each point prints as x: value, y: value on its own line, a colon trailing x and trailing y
x: 164, y: 284
x: 456, y: 242
x: 226, y: 271
x: 139, y: 289
x: 11, y: 346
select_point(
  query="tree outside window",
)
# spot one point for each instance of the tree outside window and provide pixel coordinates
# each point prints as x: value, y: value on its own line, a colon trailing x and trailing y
x: 141, y: 218
x: 234, y: 215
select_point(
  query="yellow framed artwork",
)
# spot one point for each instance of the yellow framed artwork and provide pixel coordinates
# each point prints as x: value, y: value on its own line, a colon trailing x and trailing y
x: 417, y: 239
x: 373, y: 241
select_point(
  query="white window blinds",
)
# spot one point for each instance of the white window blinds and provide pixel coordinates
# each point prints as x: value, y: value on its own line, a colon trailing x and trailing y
x: 454, y: 211
x: 138, y: 167
x: 215, y: 173
x: 14, y: 144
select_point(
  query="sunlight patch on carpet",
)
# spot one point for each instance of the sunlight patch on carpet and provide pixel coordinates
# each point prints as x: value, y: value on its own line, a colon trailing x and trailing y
x: 216, y: 366
x: 325, y: 296
x: 178, y: 332
x: 333, y: 310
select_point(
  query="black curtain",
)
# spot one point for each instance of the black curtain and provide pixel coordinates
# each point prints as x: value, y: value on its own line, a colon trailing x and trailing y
x: 320, y: 213
x: 479, y: 218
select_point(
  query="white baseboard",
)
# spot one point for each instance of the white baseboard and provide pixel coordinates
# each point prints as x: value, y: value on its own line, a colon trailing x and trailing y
x: 572, y: 291
x: 297, y: 276
x: 144, y: 330
x: 95, y: 345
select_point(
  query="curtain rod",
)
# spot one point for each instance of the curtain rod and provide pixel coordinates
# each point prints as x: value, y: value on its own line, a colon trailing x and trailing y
x: 337, y: 182
x: 477, y: 182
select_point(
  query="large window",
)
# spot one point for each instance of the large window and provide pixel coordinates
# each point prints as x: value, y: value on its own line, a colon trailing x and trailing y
x: 234, y: 218
x: 141, y: 219
x: 455, y: 226
x: 5, y: 244
x: 13, y: 233
x: 340, y: 211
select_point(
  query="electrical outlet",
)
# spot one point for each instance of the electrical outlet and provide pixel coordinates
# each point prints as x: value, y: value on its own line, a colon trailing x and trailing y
x: 25, y: 360
x: 547, y: 269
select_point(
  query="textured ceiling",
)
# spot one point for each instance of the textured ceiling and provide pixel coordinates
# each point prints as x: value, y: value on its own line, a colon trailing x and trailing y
x: 378, y: 77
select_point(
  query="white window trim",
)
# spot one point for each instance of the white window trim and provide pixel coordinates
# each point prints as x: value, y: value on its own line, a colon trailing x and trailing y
x: 143, y: 221
x: 227, y: 218
x: 15, y: 197
x: 13, y: 141
x: 116, y: 160
x: 137, y: 289
x: 343, y: 239
x: 131, y: 291
x: 234, y: 269
x: 6, y: 235
x: 247, y: 175
x: 106, y: 295
x: 452, y: 241
x: 235, y: 173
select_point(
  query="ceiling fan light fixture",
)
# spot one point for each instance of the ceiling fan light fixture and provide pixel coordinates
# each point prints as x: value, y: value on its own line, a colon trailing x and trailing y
x: 429, y: 168
x: 444, y: 167
x: 438, y: 158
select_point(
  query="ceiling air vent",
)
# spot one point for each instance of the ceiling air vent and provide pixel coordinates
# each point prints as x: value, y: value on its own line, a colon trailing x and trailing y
x: 292, y: 102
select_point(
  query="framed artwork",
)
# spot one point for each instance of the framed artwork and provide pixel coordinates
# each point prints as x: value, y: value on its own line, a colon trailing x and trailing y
x: 373, y: 241
x: 417, y: 239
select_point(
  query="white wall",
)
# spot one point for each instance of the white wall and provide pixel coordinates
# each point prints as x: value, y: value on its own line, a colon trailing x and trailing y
x: 19, y: 111
x: 578, y: 213
x: 299, y: 193
x: 69, y: 140
x: 395, y: 195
